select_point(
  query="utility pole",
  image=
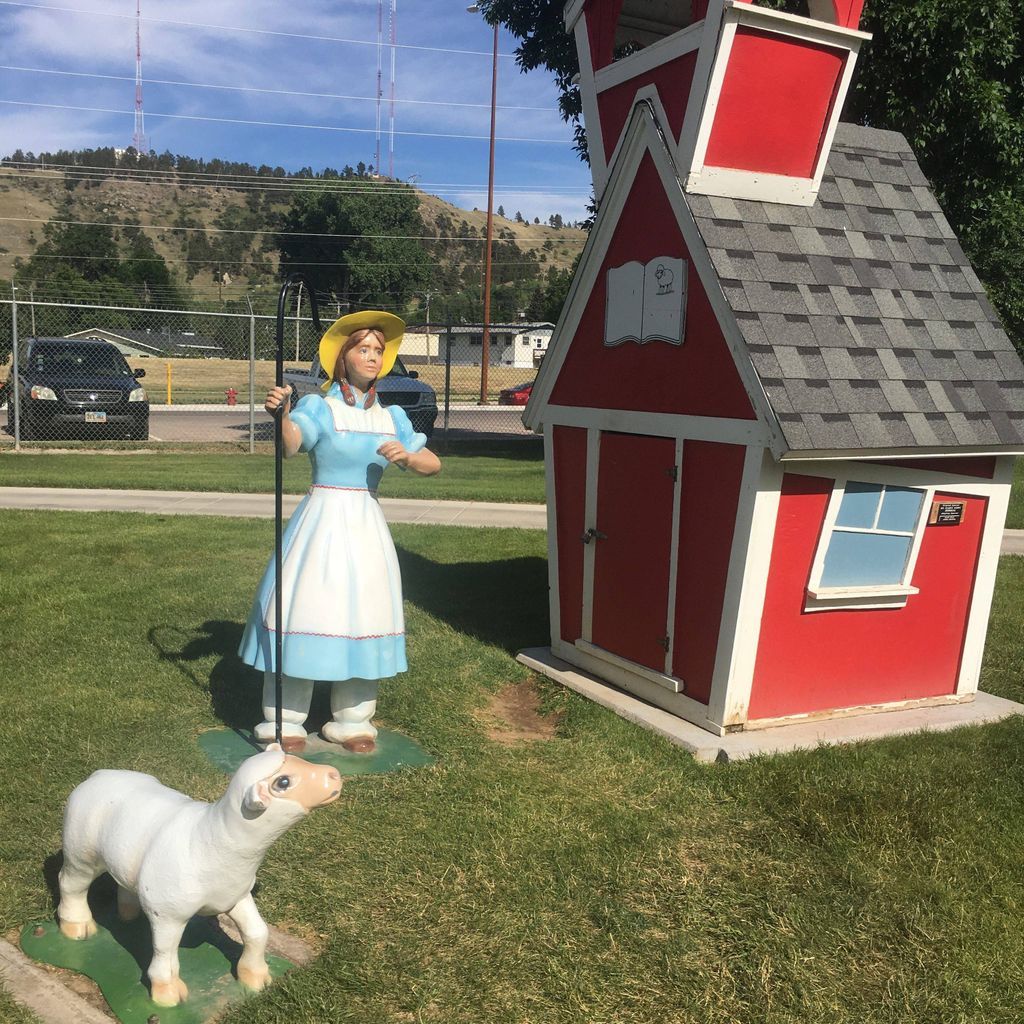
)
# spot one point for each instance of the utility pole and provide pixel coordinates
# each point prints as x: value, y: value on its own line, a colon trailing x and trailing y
x: 485, y: 347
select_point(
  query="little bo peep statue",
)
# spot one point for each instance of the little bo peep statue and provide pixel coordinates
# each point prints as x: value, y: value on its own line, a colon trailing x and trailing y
x: 341, y: 591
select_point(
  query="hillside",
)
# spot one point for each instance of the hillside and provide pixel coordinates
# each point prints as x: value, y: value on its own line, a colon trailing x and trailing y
x: 29, y: 198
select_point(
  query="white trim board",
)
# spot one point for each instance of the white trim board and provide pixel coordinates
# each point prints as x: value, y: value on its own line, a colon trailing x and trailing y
x: 749, y: 567
x: 984, y: 578
x: 662, y: 424
x: 678, y: 44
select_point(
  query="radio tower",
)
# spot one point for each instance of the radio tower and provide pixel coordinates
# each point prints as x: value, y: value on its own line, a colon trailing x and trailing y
x: 391, y: 111
x: 380, y: 90
x: 139, y: 140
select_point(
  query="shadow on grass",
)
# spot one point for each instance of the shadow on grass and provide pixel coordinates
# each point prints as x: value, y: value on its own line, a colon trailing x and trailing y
x: 235, y: 688
x: 503, y: 603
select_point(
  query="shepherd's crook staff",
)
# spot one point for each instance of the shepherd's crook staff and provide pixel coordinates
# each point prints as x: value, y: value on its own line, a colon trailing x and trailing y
x: 279, y: 480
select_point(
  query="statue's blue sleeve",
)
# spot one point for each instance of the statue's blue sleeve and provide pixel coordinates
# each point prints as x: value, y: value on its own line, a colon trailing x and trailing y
x: 411, y: 441
x: 308, y: 416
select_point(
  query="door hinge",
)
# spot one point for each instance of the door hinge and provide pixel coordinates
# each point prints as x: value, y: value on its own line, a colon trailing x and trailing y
x: 593, y: 534
x: 663, y: 641
x: 673, y: 472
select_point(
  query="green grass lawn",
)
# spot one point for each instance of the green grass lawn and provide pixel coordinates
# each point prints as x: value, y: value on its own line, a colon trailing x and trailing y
x: 598, y: 875
x: 1015, y: 514
x: 515, y: 474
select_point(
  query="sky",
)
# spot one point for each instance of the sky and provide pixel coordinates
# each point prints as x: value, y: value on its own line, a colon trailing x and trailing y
x: 292, y: 85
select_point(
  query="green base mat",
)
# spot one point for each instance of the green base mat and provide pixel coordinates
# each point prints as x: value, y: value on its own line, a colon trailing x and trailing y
x: 117, y: 956
x: 228, y: 748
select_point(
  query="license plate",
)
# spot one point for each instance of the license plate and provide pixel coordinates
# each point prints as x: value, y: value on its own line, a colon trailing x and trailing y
x: 95, y: 417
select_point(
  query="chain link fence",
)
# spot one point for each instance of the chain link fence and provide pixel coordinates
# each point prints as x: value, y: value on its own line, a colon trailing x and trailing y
x: 87, y: 375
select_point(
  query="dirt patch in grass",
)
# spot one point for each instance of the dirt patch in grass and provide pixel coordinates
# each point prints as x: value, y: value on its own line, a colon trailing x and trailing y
x: 513, y: 715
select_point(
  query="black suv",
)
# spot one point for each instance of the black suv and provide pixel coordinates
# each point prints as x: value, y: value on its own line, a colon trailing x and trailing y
x: 82, y: 387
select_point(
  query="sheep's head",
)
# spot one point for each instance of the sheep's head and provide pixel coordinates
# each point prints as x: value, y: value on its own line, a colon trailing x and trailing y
x: 274, y: 775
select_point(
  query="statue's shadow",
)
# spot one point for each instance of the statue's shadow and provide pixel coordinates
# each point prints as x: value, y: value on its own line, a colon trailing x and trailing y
x: 503, y: 603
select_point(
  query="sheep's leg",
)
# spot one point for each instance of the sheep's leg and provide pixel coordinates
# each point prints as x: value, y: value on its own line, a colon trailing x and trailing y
x: 252, y: 966
x: 127, y: 904
x: 166, y: 988
x: 77, y: 874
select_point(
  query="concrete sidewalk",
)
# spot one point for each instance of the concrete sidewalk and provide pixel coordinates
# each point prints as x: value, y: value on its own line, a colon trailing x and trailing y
x: 261, y: 506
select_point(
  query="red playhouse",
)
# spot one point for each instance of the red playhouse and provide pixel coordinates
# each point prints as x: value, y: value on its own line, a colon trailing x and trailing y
x: 780, y: 414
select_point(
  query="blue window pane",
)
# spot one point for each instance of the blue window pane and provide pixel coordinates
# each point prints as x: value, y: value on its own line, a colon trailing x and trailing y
x: 864, y: 560
x: 859, y: 504
x: 900, y: 508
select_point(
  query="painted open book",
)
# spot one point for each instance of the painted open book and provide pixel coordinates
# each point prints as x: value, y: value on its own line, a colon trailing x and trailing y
x: 646, y: 302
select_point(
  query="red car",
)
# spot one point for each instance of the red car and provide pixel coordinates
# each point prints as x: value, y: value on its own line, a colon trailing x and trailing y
x: 519, y: 395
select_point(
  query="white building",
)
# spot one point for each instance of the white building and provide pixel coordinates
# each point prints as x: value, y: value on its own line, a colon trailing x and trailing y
x: 520, y: 344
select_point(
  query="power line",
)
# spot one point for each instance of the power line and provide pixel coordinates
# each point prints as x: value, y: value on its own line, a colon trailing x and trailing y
x: 275, y: 124
x: 253, y: 31
x: 254, y: 263
x: 270, y: 92
x: 266, y: 231
x: 268, y: 183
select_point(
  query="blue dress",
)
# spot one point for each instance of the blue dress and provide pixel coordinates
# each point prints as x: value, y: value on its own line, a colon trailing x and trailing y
x: 341, y: 588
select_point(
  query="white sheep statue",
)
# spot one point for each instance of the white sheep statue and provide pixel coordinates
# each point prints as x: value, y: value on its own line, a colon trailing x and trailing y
x: 173, y: 857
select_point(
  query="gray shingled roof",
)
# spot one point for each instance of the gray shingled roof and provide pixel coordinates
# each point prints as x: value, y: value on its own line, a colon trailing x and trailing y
x: 863, y: 318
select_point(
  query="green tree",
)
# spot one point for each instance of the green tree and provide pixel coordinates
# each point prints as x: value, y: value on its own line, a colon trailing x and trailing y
x: 360, y: 244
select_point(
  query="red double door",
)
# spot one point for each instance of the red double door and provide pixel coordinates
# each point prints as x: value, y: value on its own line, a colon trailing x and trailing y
x: 632, y: 547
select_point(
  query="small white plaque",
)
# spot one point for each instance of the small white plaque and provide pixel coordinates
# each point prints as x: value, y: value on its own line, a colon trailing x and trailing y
x: 646, y: 302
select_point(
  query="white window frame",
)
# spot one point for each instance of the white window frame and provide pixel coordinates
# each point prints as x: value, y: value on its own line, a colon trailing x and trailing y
x: 885, y: 595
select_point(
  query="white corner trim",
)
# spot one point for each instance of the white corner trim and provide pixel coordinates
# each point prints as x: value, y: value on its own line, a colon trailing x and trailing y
x: 661, y: 679
x: 713, y: 26
x: 571, y: 13
x: 985, y: 577
x: 591, y: 116
x: 676, y: 45
x: 749, y: 566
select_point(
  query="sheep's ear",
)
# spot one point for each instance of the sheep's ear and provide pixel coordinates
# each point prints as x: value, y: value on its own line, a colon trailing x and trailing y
x: 257, y: 797
x: 274, y: 746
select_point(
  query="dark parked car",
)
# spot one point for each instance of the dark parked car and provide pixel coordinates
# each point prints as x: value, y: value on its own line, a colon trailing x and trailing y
x: 519, y: 395
x: 70, y: 387
x: 400, y: 387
